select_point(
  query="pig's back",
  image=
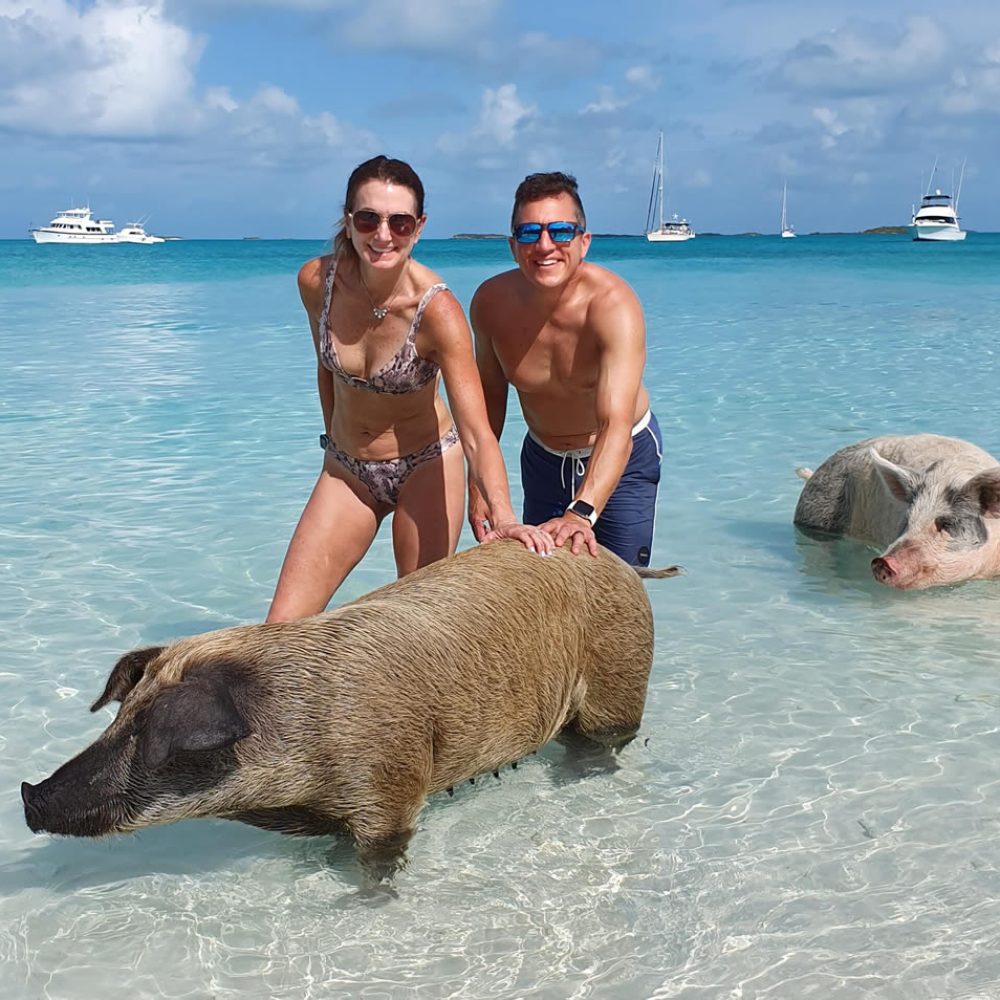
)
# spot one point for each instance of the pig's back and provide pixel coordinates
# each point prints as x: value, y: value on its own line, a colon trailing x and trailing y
x: 835, y: 495
x: 956, y: 459
x: 845, y: 496
x: 492, y: 649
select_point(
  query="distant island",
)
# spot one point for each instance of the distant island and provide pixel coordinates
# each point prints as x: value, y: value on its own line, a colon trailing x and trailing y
x: 893, y: 230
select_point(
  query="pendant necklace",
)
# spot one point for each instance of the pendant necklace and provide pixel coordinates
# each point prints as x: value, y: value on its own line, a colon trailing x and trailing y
x: 380, y: 312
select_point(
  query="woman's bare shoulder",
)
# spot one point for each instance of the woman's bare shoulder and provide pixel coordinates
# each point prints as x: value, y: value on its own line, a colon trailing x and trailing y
x: 313, y: 271
x: 443, y: 310
x: 311, y: 277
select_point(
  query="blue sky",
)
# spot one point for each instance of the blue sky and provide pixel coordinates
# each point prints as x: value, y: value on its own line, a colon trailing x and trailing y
x: 228, y: 118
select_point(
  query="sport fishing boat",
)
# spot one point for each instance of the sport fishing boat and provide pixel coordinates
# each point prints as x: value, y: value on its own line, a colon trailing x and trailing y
x: 672, y: 230
x: 937, y: 218
x: 76, y: 225
x: 135, y: 232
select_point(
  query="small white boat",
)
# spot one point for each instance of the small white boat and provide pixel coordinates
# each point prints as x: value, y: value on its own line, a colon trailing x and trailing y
x: 76, y: 225
x: 787, y: 231
x: 135, y: 232
x: 937, y: 218
x: 672, y: 230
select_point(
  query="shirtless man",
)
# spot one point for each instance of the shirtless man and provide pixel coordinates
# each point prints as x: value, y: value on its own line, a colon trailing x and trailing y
x: 570, y: 337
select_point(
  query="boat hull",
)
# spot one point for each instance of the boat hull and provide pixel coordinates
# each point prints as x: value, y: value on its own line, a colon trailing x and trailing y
x: 669, y: 237
x: 788, y: 235
x: 79, y: 239
x: 937, y: 234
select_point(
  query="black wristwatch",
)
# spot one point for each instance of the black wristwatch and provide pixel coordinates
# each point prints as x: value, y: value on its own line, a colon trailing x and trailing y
x: 583, y: 509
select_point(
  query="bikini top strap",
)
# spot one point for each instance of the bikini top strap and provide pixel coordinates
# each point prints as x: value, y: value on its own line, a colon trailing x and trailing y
x: 327, y: 294
x: 419, y: 314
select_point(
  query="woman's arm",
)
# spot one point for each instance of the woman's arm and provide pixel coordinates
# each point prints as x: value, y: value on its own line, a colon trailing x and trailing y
x: 450, y: 344
x: 312, y: 276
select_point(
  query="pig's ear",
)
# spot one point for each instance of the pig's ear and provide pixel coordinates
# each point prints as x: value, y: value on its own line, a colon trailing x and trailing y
x: 197, y: 714
x: 900, y: 481
x: 985, y: 490
x: 127, y: 672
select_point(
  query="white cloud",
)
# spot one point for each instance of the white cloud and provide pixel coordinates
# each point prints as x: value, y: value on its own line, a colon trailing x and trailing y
x: 306, y: 5
x: 271, y: 130
x: 860, y: 119
x: 642, y: 77
x: 607, y: 102
x: 428, y: 25
x: 502, y: 113
x: 112, y: 69
x: 220, y: 99
x: 120, y: 69
x: 976, y: 87
x: 700, y: 178
x: 867, y: 58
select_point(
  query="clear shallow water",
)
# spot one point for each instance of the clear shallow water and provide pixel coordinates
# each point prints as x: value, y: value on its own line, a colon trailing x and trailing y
x: 816, y: 810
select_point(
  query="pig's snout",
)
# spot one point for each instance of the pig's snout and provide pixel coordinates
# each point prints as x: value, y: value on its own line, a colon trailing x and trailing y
x: 886, y: 570
x: 33, y: 813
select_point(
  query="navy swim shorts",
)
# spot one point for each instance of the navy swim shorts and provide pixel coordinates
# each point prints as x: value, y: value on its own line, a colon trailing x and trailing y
x: 550, y: 480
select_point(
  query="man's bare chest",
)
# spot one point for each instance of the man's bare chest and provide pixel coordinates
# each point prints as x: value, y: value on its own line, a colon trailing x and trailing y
x: 550, y: 359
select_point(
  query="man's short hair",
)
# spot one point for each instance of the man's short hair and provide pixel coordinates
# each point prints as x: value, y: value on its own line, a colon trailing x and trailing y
x: 535, y: 187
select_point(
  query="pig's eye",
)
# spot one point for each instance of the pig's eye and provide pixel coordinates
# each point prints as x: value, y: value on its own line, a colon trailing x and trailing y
x: 945, y: 524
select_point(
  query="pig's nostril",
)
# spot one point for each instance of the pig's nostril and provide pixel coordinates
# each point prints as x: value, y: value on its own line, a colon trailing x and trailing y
x: 882, y: 570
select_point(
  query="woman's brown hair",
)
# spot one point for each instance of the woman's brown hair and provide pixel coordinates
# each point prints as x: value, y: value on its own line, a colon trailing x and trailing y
x: 378, y: 168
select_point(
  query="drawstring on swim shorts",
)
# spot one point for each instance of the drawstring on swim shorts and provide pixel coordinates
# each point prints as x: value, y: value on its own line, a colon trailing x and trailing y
x: 577, y: 468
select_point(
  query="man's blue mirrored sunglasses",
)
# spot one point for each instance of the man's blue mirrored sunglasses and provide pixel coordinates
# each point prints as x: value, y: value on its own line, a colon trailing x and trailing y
x: 559, y: 232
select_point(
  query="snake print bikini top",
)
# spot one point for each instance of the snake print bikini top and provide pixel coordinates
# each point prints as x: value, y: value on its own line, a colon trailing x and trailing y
x: 405, y: 372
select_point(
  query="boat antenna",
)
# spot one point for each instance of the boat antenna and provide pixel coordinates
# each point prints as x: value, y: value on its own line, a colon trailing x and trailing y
x: 930, y: 183
x: 958, y: 193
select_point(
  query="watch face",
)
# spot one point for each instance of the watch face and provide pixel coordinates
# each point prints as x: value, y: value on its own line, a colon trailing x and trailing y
x: 582, y: 508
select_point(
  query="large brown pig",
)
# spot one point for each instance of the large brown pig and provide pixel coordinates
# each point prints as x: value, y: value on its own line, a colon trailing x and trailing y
x: 930, y: 503
x: 346, y: 721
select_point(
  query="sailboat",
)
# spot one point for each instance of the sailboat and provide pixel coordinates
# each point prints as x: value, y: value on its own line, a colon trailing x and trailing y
x: 787, y: 231
x: 673, y: 230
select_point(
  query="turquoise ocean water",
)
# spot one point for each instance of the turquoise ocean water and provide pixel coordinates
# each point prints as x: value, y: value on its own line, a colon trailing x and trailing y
x: 814, y: 807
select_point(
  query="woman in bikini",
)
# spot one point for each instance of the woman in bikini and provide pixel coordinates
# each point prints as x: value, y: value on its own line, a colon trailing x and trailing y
x: 384, y: 326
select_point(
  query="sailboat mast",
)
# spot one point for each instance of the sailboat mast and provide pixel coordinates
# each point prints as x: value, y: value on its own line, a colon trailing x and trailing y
x: 784, y: 203
x: 659, y: 174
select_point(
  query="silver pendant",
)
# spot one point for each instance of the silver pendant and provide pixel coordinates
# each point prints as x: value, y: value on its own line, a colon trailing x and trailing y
x: 380, y: 313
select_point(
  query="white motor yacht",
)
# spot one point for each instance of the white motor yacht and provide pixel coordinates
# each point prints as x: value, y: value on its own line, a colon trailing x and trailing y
x: 937, y: 218
x: 672, y: 230
x: 76, y: 225
x: 135, y: 232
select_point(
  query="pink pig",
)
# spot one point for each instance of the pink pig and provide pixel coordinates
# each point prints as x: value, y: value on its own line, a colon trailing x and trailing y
x: 931, y: 503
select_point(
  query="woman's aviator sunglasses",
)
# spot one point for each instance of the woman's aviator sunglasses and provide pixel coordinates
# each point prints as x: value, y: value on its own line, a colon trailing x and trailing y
x: 366, y: 222
x: 559, y: 232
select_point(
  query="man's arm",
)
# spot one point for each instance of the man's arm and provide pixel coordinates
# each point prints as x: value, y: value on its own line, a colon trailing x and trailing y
x: 483, y: 312
x: 617, y: 322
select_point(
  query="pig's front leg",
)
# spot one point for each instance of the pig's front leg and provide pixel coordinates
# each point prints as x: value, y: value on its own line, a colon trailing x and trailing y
x: 382, y: 834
